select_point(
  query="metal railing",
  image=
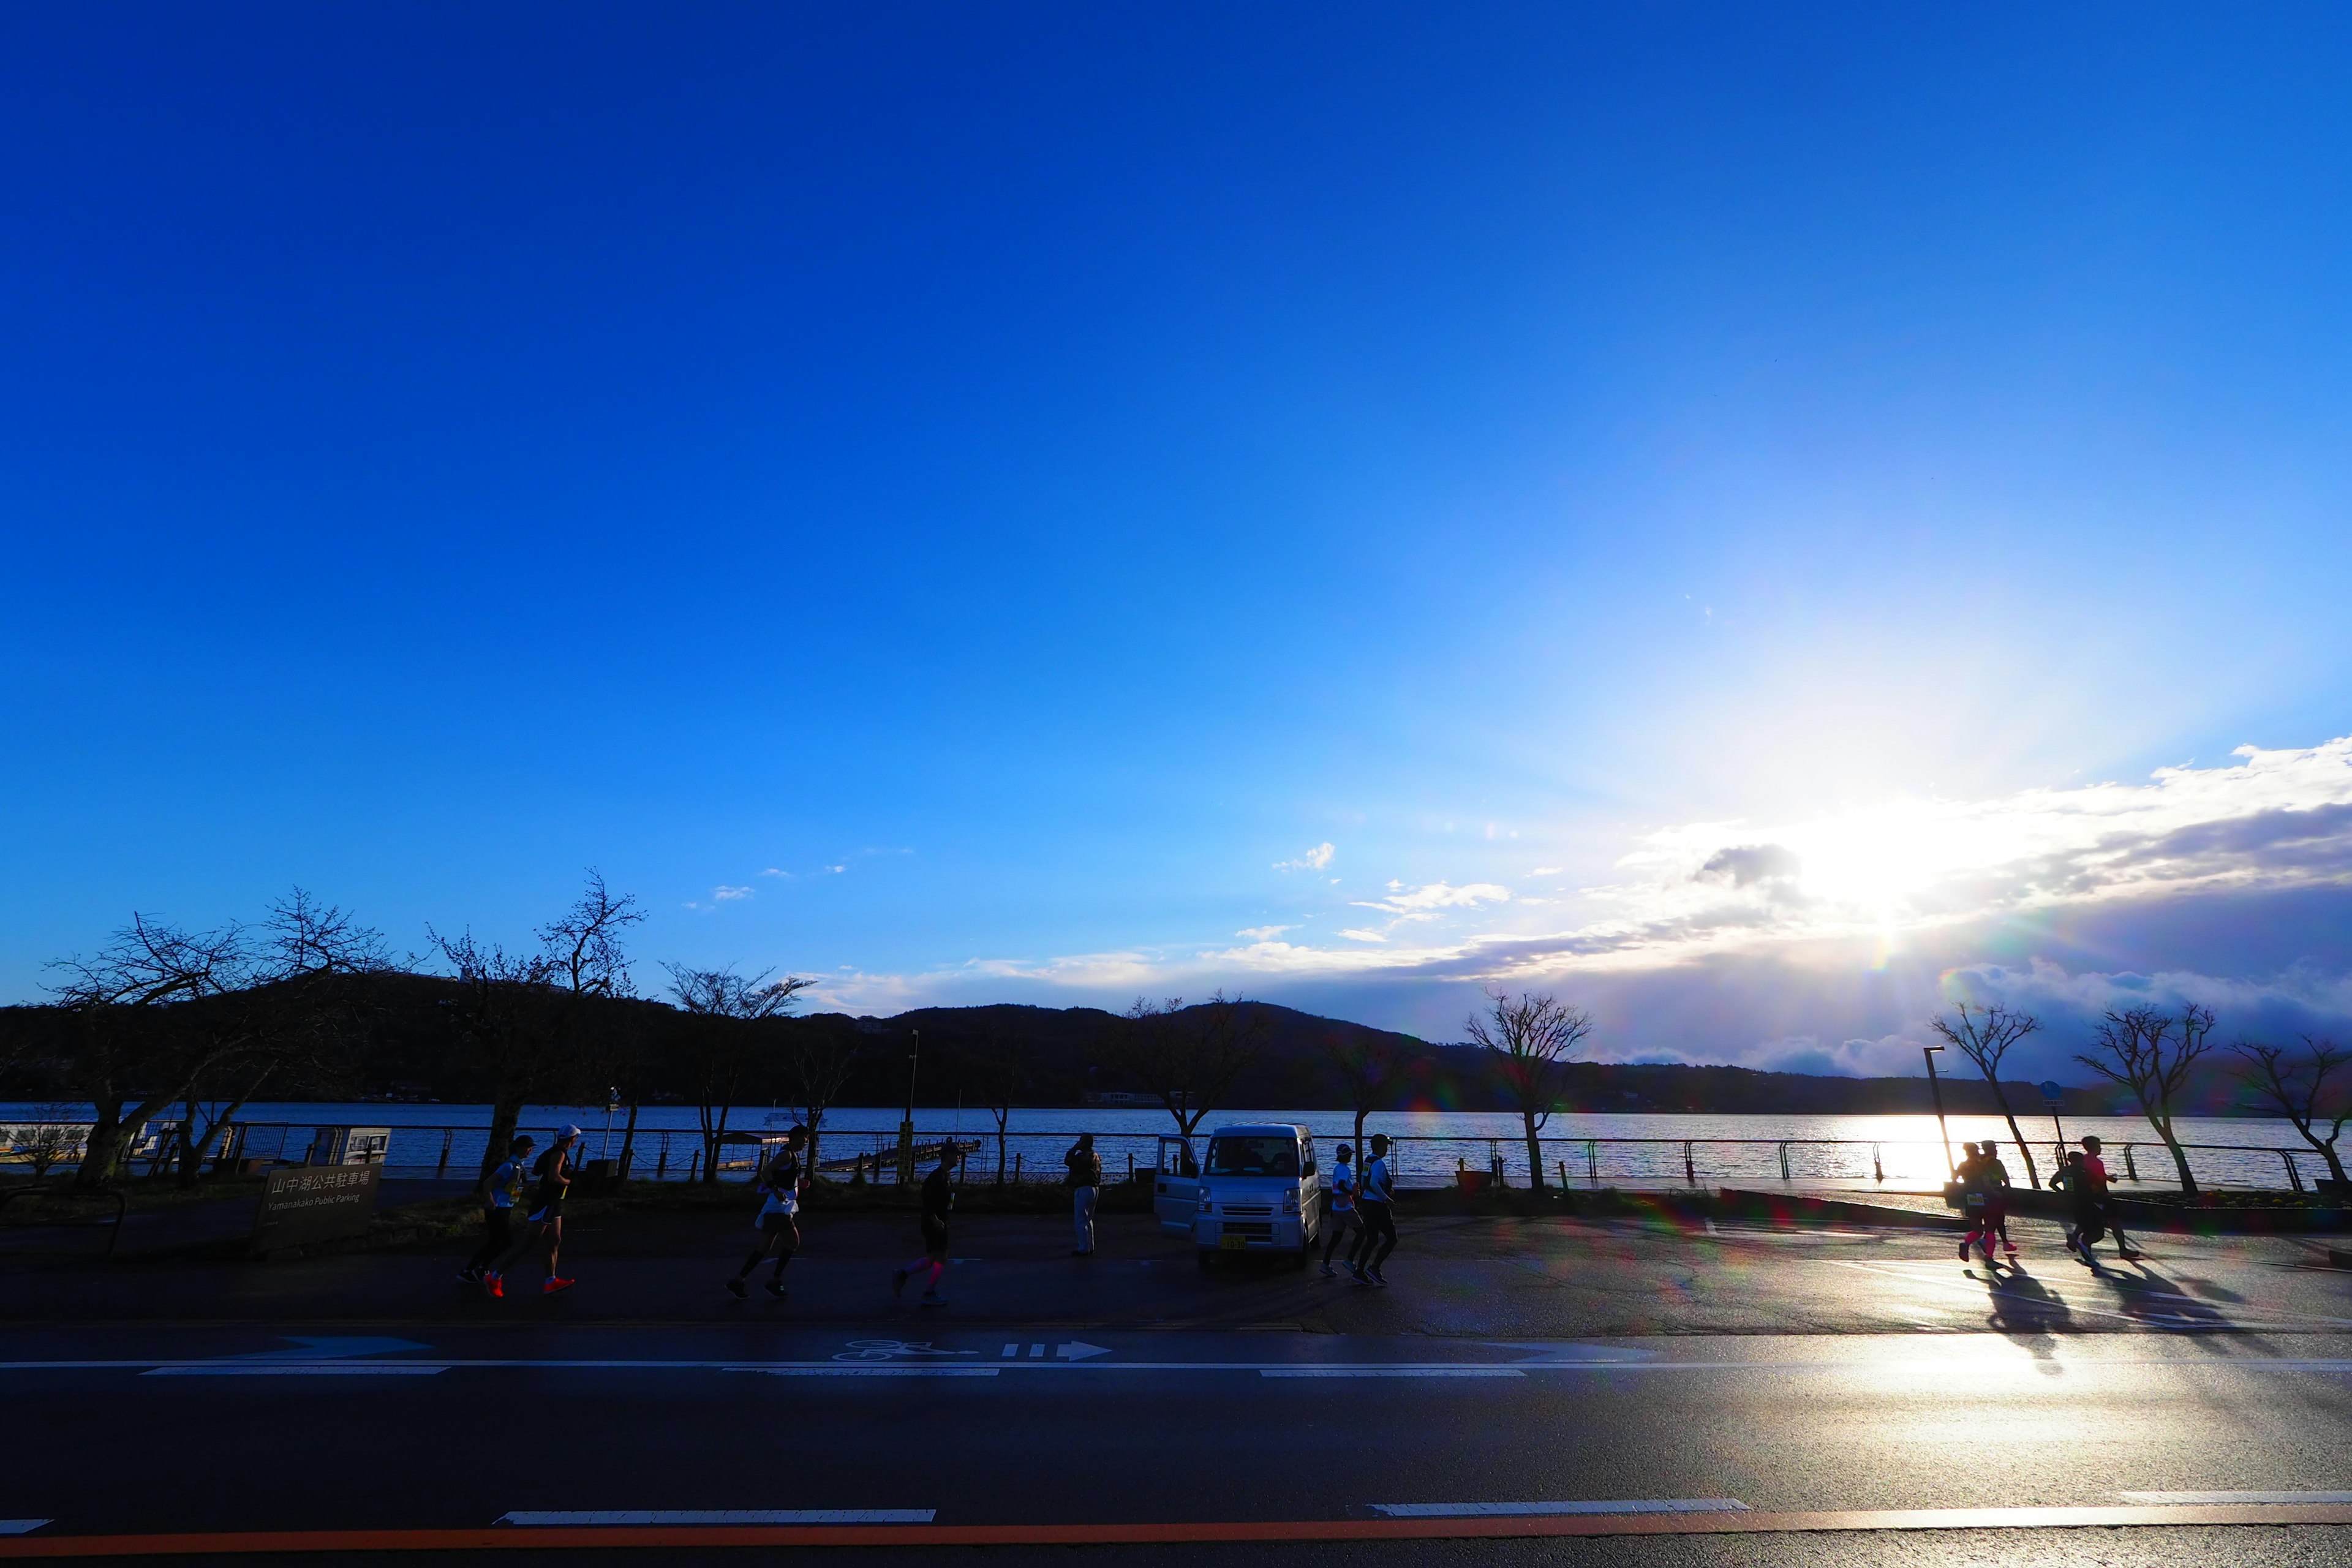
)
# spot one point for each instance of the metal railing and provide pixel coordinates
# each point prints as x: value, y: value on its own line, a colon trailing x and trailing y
x: 1415, y: 1161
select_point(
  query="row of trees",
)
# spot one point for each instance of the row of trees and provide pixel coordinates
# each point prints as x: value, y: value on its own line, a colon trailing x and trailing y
x: 2152, y: 1054
x: 189, y: 1027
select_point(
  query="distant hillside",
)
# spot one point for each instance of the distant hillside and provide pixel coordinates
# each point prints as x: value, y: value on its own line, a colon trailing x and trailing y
x: 406, y: 1045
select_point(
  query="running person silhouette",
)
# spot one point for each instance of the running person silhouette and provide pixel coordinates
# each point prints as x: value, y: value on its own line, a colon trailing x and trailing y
x: 1375, y: 1200
x: 546, y: 1219
x: 779, y: 1220
x: 1339, y: 1217
x: 939, y: 1198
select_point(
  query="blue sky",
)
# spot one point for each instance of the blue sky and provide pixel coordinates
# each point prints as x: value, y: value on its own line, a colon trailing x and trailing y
x: 970, y: 503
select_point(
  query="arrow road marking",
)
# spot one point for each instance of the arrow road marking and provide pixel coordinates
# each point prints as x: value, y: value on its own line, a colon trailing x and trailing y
x: 1078, y: 1350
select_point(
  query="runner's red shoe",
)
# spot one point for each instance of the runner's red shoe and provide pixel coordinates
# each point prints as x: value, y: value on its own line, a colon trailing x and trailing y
x: 493, y: 1284
x: 553, y: 1285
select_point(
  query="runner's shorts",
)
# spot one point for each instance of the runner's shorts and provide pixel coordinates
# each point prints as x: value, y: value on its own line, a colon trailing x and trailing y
x: 935, y: 1235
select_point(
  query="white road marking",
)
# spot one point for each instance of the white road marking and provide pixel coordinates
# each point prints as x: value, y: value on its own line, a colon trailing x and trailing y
x: 20, y: 1526
x: 1011, y: 1351
x: 840, y: 1369
x: 1510, y: 1509
x: 299, y: 1369
x: 2236, y: 1497
x: 1390, y: 1372
x: 1078, y: 1350
x: 724, y: 1516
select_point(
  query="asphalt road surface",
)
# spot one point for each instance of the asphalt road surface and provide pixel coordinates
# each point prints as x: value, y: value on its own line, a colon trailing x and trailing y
x: 1792, y: 1397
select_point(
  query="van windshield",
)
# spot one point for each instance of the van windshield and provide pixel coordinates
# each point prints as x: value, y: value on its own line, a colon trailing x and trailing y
x: 1274, y: 1156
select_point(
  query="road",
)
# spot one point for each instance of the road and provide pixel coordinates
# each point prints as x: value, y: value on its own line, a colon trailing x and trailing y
x: 1493, y: 1387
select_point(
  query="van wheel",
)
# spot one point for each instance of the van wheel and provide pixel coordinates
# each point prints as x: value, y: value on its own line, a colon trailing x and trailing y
x: 1208, y: 1259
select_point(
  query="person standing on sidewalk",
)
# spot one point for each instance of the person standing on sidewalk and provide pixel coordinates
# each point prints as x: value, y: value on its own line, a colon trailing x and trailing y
x: 2110, y: 1211
x: 1376, y: 1201
x: 555, y: 1173
x: 779, y: 1221
x: 939, y: 1198
x: 1085, y: 1182
x: 500, y: 1191
x: 1339, y: 1217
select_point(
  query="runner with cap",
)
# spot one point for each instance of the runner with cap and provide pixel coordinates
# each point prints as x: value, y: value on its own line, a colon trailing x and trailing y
x: 781, y: 1186
x: 1376, y: 1200
x: 554, y: 1170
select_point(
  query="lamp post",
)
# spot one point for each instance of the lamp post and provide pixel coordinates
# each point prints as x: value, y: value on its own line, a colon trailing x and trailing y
x: 612, y: 1104
x: 906, y: 1125
x: 1937, y: 1088
x: 2054, y: 1095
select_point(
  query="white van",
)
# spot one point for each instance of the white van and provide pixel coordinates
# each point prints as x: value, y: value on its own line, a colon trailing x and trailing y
x: 1258, y: 1191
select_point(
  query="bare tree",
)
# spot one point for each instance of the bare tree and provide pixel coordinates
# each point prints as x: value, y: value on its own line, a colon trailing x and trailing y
x: 818, y: 1060
x: 54, y: 1134
x: 1189, y: 1058
x: 1000, y: 1071
x: 289, y: 1009
x: 2151, y: 1053
x: 1984, y: 1037
x: 526, y: 1014
x: 2296, y: 1087
x: 1532, y: 1039
x: 584, y: 943
x: 724, y: 1008
x: 124, y: 1055
x: 1368, y: 1066
x: 504, y: 1012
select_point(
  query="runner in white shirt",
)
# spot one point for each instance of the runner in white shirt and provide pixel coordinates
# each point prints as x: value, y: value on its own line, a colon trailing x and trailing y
x: 778, y: 1221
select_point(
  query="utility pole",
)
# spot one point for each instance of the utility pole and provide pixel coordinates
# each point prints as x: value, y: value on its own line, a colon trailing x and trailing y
x: 1937, y: 1088
x: 906, y: 1126
x: 2054, y: 1095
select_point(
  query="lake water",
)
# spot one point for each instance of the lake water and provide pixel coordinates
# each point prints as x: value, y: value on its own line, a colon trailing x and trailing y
x: 1646, y: 1150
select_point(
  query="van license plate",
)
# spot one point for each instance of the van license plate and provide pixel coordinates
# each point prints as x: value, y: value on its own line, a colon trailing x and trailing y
x: 1234, y: 1243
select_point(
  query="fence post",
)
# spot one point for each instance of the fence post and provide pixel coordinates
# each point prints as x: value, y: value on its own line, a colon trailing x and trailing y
x: 1784, y: 1162
x: 1592, y: 1162
x: 2293, y: 1175
x: 661, y: 1163
x: 443, y: 1168
x: 1563, y: 1175
x: 1690, y: 1167
x: 2131, y: 1166
x: 694, y: 1169
x: 1016, y: 1164
x: 1877, y: 1164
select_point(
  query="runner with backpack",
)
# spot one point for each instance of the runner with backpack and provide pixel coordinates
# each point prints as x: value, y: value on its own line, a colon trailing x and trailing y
x: 500, y: 1192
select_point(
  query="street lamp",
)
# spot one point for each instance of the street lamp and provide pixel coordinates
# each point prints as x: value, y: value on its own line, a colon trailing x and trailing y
x: 906, y: 1124
x: 1937, y: 1088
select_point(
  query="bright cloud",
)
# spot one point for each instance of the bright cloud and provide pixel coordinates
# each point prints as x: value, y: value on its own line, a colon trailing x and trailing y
x: 1907, y: 891
x: 1316, y: 859
x: 726, y: 895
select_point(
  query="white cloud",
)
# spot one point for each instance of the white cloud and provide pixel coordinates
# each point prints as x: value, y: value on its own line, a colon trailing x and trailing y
x: 1263, y: 934
x: 1316, y: 859
x: 1417, y: 902
x: 1547, y: 871
x: 1361, y: 935
x: 772, y: 871
x: 837, y: 870
x: 726, y: 895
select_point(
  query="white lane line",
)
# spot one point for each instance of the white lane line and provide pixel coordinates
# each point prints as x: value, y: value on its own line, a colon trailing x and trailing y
x: 723, y: 1516
x: 1521, y: 1509
x: 20, y: 1526
x: 2236, y: 1497
x: 835, y: 1369
x: 1390, y: 1372
x: 286, y: 1368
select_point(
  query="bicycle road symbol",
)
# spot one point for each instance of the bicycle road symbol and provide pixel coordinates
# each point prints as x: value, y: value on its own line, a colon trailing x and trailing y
x: 892, y: 1350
